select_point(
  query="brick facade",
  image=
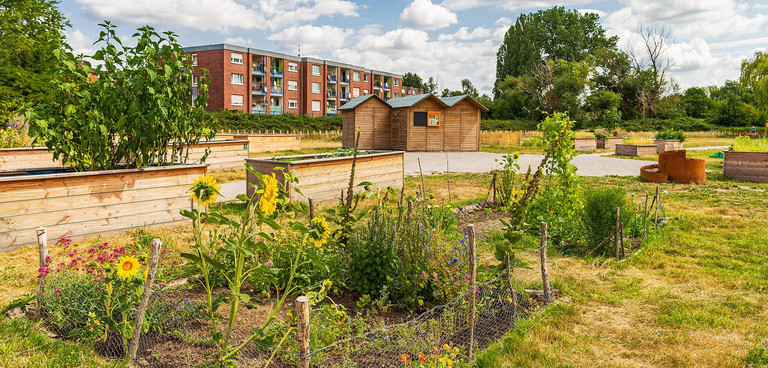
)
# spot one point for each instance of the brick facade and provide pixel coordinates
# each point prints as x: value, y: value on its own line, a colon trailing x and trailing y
x: 271, y: 86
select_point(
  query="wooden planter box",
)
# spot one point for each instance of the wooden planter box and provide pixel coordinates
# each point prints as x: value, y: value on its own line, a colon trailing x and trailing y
x: 323, y: 179
x: 225, y: 154
x: 258, y: 143
x: 668, y: 145
x: 635, y: 149
x: 81, y: 204
x: 585, y: 144
x: 27, y: 158
x: 746, y: 166
x: 609, y: 143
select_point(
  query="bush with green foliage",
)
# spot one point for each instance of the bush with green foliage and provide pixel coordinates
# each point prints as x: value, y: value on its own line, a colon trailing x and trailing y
x: 237, y: 120
x: 598, y: 218
x: 684, y: 124
x: 669, y: 134
x: 133, y: 109
x: 517, y: 124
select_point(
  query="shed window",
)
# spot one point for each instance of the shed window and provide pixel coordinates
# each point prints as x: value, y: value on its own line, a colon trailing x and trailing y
x: 433, y: 118
x: 419, y: 118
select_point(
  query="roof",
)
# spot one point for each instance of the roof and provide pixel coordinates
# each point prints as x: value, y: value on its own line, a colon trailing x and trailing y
x: 357, y: 101
x: 450, y: 101
x: 409, y: 101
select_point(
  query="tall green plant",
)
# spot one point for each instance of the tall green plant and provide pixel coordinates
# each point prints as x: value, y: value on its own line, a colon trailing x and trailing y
x: 134, y: 108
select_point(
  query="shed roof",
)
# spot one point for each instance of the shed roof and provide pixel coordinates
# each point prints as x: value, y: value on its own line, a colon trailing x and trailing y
x: 355, y: 102
x: 450, y: 101
x: 409, y: 101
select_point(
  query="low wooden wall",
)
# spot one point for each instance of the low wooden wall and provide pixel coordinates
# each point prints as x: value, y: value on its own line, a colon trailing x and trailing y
x: 258, y: 143
x: 323, y: 179
x: 746, y: 166
x: 609, y: 143
x: 27, y: 158
x: 635, y: 149
x: 82, y: 204
x: 225, y: 154
x: 585, y: 144
x: 668, y: 145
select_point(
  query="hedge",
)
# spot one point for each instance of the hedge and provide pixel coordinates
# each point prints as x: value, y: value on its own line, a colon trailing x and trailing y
x: 237, y: 120
x: 521, y: 124
x: 685, y: 124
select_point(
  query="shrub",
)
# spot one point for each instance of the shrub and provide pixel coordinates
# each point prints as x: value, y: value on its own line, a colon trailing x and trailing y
x: 669, y: 134
x: 492, y: 124
x: 685, y: 124
x: 238, y: 120
x: 599, y: 215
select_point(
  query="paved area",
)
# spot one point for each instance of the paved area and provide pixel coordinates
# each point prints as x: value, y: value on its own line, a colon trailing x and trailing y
x: 230, y: 190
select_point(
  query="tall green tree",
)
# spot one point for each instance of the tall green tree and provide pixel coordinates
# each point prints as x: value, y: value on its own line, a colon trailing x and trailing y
x: 754, y: 79
x: 556, y: 34
x: 30, y: 30
x: 412, y: 80
x: 467, y: 88
x: 430, y: 86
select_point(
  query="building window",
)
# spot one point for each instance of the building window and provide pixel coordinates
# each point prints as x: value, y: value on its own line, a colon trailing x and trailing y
x: 293, y: 104
x: 365, y: 78
x: 237, y: 58
x: 237, y: 79
x: 315, y: 87
x: 293, y: 67
x: 365, y: 92
x: 194, y: 80
x: 395, y: 82
x: 433, y: 118
x: 194, y: 59
x: 356, y: 76
x: 355, y: 92
x: 403, y: 91
x: 315, y: 105
x: 293, y: 85
x: 316, y: 70
x: 237, y: 100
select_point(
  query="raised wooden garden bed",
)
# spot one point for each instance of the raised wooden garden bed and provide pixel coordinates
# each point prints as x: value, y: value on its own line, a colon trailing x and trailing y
x: 323, y: 179
x: 668, y: 145
x: 80, y: 204
x: 609, y: 143
x: 585, y: 144
x: 267, y: 142
x: 746, y: 166
x: 225, y: 154
x: 635, y: 149
x: 23, y: 158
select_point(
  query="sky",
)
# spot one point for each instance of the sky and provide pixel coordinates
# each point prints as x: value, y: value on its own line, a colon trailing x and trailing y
x: 449, y: 40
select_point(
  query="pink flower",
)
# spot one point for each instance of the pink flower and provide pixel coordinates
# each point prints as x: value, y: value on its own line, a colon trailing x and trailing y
x: 57, y: 291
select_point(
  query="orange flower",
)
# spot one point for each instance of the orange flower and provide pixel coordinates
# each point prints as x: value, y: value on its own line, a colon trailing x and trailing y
x: 405, y: 359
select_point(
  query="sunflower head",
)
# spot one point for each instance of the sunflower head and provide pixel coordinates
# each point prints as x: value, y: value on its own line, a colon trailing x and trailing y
x: 127, y: 267
x: 205, y: 190
x: 268, y: 194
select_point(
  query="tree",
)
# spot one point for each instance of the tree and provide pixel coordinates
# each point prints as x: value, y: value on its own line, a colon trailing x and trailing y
x: 754, y: 79
x: 555, y: 34
x: 652, y: 66
x: 430, y: 86
x: 29, y: 31
x: 137, y: 110
x: 697, y: 102
x: 468, y: 89
x: 412, y: 80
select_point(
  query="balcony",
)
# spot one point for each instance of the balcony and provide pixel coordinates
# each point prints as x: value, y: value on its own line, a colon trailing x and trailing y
x: 331, y: 94
x: 276, y: 73
x: 330, y: 111
x: 386, y: 86
x: 258, y: 70
x: 344, y: 79
x: 344, y: 96
x: 331, y: 78
x: 276, y: 110
x: 259, y: 109
x: 276, y: 91
x: 377, y: 85
x: 258, y: 90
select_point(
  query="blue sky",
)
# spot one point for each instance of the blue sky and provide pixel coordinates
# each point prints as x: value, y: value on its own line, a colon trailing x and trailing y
x: 446, y: 39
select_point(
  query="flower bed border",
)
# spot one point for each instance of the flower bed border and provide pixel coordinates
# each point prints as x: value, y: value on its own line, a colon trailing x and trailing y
x: 635, y: 149
x: 747, y: 166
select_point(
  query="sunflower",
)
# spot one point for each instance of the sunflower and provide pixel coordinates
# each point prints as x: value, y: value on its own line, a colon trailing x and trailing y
x: 268, y: 195
x: 320, y: 232
x: 127, y: 267
x: 205, y: 190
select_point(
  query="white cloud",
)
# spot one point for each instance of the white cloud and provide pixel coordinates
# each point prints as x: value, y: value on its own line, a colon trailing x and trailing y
x: 509, y: 4
x: 464, y: 34
x: 217, y: 15
x: 80, y: 43
x: 422, y: 14
x: 312, y: 39
x: 240, y: 41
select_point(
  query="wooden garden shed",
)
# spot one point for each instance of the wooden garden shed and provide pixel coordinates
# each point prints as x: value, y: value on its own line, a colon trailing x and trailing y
x: 413, y: 123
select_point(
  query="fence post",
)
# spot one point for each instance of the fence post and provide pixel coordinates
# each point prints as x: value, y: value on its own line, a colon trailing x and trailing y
x: 472, y: 285
x: 311, y: 209
x: 302, y: 331
x: 42, y: 245
x: 154, y: 257
x: 617, y: 235
x: 544, y: 265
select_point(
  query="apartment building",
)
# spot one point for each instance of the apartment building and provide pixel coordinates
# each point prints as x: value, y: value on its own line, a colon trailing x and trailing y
x: 263, y: 82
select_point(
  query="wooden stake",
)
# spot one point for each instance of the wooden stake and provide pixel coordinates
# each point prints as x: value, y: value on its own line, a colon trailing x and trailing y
x: 617, y: 231
x: 472, y: 285
x: 154, y: 258
x: 42, y: 246
x: 544, y: 265
x: 302, y: 331
x: 311, y: 209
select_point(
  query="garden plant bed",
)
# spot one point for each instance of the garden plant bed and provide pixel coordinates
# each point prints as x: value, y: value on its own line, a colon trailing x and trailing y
x: 224, y: 154
x: 635, y: 149
x: 609, y: 143
x: 79, y: 204
x: 258, y: 143
x: 27, y: 158
x: 322, y: 178
x: 668, y: 145
x: 585, y: 144
x: 746, y: 166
